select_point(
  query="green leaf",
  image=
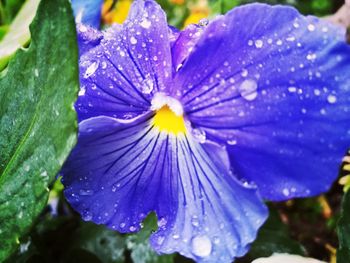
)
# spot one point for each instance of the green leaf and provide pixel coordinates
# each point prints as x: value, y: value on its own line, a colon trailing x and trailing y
x: 141, y: 251
x: 37, y: 120
x: 107, y: 245
x: 273, y: 237
x: 343, y: 230
x: 17, y: 34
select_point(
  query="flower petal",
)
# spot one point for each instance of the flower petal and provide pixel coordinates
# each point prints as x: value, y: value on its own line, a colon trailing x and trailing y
x: 184, y: 43
x: 132, y: 62
x: 88, y: 38
x: 120, y: 171
x: 88, y: 12
x: 217, y: 218
x: 277, y: 92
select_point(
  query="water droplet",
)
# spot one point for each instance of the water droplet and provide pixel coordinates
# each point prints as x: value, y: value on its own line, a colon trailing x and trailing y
x: 145, y: 23
x: 195, y: 221
x: 103, y: 65
x: 244, y: 73
x: 122, y: 225
x: 133, y: 40
x: 87, y: 216
x: 311, y: 56
x: 259, y: 43
x: 132, y: 228
x: 203, y: 22
x: 199, y: 135
x: 248, y: 89
x: 201, y: 246
x: 82, y: 91
x: 232, y: 142
x: 285, y: 192
x: 332, y: 99
x: 311, y: 27
x: 162, y: 222
x: 85, y: 192
x: 36, y: 72
x: 147, y: 85
x: 91, y: 69
x: 292, y: 89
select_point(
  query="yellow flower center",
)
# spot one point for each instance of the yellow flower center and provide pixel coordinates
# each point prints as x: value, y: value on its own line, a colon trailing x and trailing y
x: 166, y: 120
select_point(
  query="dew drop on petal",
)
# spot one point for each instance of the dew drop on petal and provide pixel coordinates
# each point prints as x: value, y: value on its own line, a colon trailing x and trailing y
x: 258, y: 43
x: 201, y: 246
x: 292, y: 89
x: 231, y: 142
x: 203, y: 22
x: 86, y: 192
x: 195, y: 221
x: 133, y: 40
x: 248, y: 89
x: 145, y: 23
x: 285, y: 192
x: 332, y: 99
x: 147, y: 85
x: 311, y: 27
x: 91, y: 69
x: 162, y: 222
x: 199, y: 135
x: 87, y: 216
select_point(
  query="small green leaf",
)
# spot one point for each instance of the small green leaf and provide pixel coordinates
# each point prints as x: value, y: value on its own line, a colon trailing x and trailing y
x: 17, y: 34
x: 138, y: 244
x: 273, y: 237
x: 343, y: 230
x: 37, y: 120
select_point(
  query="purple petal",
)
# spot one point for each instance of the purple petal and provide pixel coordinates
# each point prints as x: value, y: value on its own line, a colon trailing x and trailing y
x: 88, y: 38
x: 88, y: 12
x: 120, y: 171
x: 217, y: 218
x: 132, y: 62
x: 184, y: 44
x: 277, y: 92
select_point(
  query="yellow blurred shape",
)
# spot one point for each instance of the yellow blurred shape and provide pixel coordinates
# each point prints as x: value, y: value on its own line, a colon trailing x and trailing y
x: 118, y: 14
x: 177, y: 2
x: 197, y: 12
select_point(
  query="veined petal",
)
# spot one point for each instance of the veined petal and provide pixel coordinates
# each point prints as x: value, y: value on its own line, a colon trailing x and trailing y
x: 278, y: 93
x: 120, y: 171
x: 132, y: 62
x: 88, y: 12
x: 217, y: 218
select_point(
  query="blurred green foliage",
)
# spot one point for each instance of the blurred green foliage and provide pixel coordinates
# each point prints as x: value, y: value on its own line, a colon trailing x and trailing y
x: 8, y: 10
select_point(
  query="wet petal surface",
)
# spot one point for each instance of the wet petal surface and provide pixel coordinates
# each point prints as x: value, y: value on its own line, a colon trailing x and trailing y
x: 122, y: 170
x: 276, y: 93
x: 132, y: 62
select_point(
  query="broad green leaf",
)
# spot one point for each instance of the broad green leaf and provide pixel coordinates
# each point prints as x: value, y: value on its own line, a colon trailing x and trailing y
x: 138, y: 244
x: 343, y: 230
x: 273, y: 237
x: 37, y: 120
x: 17, y: 34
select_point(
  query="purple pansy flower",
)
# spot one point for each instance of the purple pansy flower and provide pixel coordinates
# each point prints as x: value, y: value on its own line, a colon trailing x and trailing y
x: 197, y: 125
